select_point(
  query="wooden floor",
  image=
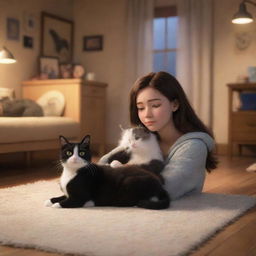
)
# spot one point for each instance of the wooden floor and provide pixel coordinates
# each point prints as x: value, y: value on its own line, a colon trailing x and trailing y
x: 238, y: 239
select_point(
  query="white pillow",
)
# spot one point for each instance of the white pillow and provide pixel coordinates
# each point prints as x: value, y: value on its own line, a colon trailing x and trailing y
x: 52, y: 103
x: 6, y: 92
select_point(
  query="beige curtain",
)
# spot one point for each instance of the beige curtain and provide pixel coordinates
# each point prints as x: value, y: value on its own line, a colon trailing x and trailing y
x: 195, y: 54
x: 139, y: 45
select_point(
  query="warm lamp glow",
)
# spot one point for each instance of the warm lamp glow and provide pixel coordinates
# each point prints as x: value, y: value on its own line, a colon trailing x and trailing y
x: 242, y: 20
x: 6, y: 56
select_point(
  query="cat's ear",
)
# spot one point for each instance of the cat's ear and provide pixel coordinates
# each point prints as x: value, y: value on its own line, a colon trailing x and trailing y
x: 121, y: 127
x: 86, y: 140
x: 63, y: 140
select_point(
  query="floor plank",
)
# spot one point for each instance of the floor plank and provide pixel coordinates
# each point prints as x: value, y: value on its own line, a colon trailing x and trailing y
x: 237, y: 239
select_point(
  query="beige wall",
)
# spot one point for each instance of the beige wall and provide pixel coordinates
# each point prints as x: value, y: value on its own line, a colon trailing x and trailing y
x: 105, y: 18
x: 229, y: 61
x: 27, y: 59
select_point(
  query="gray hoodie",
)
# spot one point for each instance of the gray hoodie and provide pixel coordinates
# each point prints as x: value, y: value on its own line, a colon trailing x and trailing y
x: 184, y: 170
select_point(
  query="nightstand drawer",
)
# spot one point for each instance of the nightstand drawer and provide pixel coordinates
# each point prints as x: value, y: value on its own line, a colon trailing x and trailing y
x: 244, y: 127
x: 244, y: 123
x: 93, y: 91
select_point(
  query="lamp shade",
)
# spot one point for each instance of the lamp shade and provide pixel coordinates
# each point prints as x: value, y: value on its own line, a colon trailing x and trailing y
x: 242, y: 16
x: 6, y: 56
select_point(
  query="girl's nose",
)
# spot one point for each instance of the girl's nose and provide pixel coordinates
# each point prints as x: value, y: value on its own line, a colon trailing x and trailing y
x: 148, y: 112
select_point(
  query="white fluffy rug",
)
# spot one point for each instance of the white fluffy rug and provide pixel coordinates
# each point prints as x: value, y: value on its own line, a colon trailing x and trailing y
x: 25, y: 222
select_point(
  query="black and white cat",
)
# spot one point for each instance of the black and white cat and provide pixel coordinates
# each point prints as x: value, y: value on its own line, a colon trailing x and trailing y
x: 82, y: 181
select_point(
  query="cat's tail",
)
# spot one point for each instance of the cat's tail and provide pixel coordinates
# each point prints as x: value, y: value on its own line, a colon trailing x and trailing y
x: 162, y: 201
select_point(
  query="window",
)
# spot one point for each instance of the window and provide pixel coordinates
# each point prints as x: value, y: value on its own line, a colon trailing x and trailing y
x: 165, y: 37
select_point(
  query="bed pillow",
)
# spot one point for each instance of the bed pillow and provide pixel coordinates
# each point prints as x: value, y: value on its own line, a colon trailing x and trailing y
x: 6, y: 93
x: 52, y: 103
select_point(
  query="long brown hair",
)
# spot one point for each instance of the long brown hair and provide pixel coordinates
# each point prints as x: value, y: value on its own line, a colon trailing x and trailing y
x: 185, y: 118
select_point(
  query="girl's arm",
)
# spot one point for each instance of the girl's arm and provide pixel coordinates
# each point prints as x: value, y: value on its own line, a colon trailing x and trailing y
x: 184, y: 171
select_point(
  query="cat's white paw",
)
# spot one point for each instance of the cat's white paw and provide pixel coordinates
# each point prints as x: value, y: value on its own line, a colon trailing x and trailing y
x: 115, y: 164
x: 56, y: 205
x: 251, y: 168
x: 48, y: 203
x: 154, y: 199
x: 89, y: 204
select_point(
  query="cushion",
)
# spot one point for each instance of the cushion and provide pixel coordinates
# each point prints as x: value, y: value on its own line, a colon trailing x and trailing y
x: 52, y: 103
x: 26, y: 129
x: 6, y: 93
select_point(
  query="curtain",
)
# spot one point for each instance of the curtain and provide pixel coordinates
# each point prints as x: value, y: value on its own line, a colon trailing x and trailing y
x: 139, y: 45
x: 195, y: 54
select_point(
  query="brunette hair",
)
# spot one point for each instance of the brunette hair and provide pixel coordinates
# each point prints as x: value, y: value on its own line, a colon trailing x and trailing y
x: 184, y: 118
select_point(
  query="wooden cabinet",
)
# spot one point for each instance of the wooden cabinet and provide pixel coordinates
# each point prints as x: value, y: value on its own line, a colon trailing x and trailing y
x: 242, y: 124
x: 93, y: 114
x: 85, y: 103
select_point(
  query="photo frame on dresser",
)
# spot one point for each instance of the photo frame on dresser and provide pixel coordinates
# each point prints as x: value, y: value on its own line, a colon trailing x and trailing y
x: 57, y: 37
x: 49, y: 67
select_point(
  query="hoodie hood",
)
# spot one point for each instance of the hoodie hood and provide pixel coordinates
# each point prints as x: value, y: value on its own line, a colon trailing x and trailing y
x: 206, y: 138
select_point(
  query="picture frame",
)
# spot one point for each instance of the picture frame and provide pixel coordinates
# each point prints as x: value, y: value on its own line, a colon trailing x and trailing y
x: 66, y: 71
x: 28, y: 41
x: 12, y: 29
x: 93, y: 43
x: 57, y: 37
x: 29, y: 22
x: 49, y: 67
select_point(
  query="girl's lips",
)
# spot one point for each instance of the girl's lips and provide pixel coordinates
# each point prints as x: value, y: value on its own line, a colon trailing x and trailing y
x: 150, y: 123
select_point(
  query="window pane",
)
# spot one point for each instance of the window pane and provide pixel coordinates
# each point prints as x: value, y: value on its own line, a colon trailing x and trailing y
x: 172, y: 23
x: 172, y: 63
x: 158, y: 62
x: 159, y: 33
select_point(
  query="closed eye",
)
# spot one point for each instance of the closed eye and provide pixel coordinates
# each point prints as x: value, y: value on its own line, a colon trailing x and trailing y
x: 156, y: 105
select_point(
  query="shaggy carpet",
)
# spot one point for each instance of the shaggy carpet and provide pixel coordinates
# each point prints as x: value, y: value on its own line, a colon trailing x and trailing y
x: 26, y: 222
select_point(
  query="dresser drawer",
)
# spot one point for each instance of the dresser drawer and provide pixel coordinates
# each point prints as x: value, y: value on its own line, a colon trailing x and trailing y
x: 93, y: 91
x: 244, y: 126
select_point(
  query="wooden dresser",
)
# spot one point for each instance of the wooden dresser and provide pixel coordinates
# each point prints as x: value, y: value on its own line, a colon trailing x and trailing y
x: 242, y: 123
x: 86, y: 104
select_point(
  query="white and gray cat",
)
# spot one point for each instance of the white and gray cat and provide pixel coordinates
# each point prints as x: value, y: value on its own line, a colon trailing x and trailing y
x: 129, y: 185
x: 136, y: 146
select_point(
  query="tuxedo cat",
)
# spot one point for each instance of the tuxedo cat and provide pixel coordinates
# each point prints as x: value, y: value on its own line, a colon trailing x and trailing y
x: 82, y: 181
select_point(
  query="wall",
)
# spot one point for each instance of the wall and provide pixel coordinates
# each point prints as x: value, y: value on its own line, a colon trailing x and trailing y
x: 27, y: 59
x: 105, y: 18
x: 229, y: 61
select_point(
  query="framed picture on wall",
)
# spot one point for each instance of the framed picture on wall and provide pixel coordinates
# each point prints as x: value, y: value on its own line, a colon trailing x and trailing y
x: 13, y: 29
x: 93, y: 43
x: 49, y: 67
x: 56, y: 37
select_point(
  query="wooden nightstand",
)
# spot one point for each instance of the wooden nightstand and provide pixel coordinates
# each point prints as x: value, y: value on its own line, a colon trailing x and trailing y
x: 242, y: 124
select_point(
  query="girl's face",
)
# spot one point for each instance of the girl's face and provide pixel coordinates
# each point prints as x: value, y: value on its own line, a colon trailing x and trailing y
x: 154, y: 109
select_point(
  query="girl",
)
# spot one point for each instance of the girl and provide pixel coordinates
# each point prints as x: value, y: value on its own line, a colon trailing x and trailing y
x: 158, y: 102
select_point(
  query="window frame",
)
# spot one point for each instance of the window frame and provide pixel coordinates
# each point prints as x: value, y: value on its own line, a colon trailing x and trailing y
x: 165, y: 12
